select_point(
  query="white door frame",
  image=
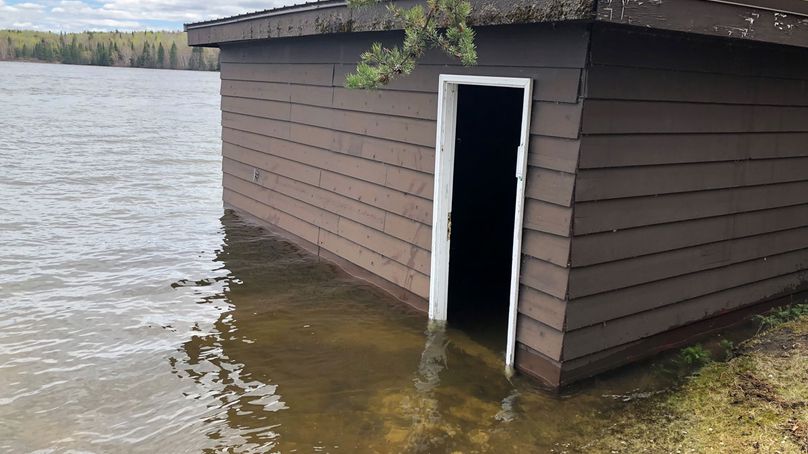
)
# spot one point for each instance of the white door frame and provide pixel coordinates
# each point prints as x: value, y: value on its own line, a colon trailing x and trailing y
x: 444, y: 176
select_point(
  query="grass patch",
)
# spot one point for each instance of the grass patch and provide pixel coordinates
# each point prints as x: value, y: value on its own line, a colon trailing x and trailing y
x: 755, y: 402
x: 781, y: 315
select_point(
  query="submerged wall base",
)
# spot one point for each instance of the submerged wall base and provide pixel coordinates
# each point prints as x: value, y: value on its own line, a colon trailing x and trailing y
x: 553, y: 375
x: 556, y: 376
x: 409, y: 298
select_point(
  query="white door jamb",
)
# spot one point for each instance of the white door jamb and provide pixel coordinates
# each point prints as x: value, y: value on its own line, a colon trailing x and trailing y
x: 442, y: 209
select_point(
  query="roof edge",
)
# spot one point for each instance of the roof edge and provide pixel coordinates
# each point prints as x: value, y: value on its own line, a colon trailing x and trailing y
x: 334, y: 16
x: 291, y: 9
x: 783, y: 22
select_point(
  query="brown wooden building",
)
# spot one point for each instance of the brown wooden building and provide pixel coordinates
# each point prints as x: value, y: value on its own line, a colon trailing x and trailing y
x: 652, y: 154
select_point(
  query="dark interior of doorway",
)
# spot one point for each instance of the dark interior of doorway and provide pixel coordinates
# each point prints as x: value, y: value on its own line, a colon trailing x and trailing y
x: 483, y: 202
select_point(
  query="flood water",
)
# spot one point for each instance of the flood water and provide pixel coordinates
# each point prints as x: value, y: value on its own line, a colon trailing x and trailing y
x: 138, y: 316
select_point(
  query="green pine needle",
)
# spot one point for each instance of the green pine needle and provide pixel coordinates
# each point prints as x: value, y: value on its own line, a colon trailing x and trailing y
x: 443, y: 24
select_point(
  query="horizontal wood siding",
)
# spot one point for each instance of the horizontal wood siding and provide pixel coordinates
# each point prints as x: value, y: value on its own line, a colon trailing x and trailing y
x: 691, y: 198
x: 351, y: 171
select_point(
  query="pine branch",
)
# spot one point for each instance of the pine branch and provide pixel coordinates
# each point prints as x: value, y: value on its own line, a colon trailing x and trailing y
x: 444, y: 25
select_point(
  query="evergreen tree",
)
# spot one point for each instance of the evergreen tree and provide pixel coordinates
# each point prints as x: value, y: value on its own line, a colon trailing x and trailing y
x: 172, y: 56
x: 102, y: 56
x: 161, y: 56
x: 146, y: 59
x: 197, y: 60
x: 73, y: 51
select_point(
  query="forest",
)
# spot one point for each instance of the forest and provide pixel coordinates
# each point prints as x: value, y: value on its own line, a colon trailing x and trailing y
x: 143, y: 49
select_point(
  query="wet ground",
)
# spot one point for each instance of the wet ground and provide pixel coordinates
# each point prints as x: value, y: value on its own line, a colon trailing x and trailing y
x: 757, y: 402
x: 138, y: 316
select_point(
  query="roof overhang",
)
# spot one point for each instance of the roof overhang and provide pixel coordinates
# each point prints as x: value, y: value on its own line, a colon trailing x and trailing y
x: 777, y: 21
x: 334, y: 16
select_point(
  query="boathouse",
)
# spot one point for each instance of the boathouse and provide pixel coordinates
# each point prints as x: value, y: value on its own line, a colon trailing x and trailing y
x: 612, y: 178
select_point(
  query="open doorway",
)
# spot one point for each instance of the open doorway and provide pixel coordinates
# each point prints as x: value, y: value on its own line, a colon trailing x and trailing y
x: 483, y: 125
x: 483, y: 202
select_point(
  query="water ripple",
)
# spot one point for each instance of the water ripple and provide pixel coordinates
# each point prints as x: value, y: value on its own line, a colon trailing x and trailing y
x: 137, y: 318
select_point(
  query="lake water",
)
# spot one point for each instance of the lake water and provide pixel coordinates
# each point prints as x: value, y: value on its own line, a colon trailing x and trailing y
x: 138, y: 316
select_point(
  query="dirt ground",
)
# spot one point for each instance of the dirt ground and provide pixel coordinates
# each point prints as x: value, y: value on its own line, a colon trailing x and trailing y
x: 756, y: 402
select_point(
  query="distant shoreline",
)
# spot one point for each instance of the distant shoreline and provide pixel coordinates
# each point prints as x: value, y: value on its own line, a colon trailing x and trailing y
x: 142, y: 49
x: 42, y: 62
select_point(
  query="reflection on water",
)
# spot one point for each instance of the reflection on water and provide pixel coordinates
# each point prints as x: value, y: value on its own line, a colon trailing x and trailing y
x: 304, y: 358
x: 137, y: 317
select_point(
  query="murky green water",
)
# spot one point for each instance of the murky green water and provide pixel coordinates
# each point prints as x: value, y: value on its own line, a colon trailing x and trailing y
x: 138, y: 317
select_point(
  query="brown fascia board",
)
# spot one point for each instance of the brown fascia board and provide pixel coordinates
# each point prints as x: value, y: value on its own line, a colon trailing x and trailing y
x: 773, y: 21
x: 334, y: 16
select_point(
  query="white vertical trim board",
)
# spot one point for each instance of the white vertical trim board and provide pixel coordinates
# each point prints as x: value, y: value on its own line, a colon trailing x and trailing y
x: 444, y: 176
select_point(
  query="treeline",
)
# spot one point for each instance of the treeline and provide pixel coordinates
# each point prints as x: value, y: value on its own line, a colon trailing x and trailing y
x: 165, y: 50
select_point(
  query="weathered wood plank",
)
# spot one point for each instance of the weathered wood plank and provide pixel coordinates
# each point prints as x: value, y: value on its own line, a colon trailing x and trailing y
x: 601, y: 184
x: 542, y: 307
x: 556, y: 120
x: 401, y: 129
x: 269, y: 163
x: 644, y: 117
x: 550, y: 186
x: 553, y: 153
x: 273, y: 216
x: 544, y: 246
x: 547, y: 217
x: 388, y: 199
x: 274, y: 91
x: 275, y: 110
x: 319, y: 197
x: 278, y: 201
x: 621, y: 331
x: 648, y: 297
x: 617, y: 214
x: 550, y: 84
x: 279, y: 91
x: 622, y: 244
x: 649, y: 268
x: 540, y: 337
x: 611, y: 82
x: 629, y: 46
x: 319, y: 49
x: 317, y: 158
x: 273, y: 128
x: 376, y: 263
x: 538, y: 366
x: 410, y: 182
x: 387, y: 102
x: 544, y: 277
x: 306, y: 74
x: 656, y: 149
x: 417, y: 233
x: 402, y: 252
